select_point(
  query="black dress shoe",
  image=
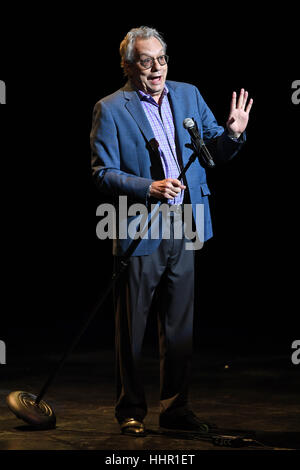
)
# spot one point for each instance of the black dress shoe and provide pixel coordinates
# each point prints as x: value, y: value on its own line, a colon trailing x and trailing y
x: 133, y: 427
x: 186, y: 421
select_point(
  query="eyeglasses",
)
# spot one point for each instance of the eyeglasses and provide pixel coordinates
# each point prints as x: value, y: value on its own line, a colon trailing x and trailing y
x: 149, y: 62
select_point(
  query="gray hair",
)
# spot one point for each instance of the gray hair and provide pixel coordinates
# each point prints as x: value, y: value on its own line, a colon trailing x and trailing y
x: 127, y: 45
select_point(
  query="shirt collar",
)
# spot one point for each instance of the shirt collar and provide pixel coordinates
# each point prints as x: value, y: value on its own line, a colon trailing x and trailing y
x: 146, y: 97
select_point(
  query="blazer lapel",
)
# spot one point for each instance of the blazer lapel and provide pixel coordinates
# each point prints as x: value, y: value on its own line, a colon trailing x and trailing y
x: 135, y: 108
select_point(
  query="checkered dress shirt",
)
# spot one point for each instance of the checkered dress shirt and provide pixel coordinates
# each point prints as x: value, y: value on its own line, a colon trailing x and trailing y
x: 161, y: 120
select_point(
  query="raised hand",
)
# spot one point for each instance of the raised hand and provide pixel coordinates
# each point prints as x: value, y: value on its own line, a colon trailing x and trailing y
x: 239, y: 113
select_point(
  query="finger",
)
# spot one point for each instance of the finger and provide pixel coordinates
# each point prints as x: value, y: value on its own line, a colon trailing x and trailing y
x: 241, y: 99
x: 171, y: 190
x: 170, y: 194
x: 249, y: 106
x: 245, y: 99
x: 174, y: 192
x: 176, y: 183
x: 170, y: 186
x: 233, y: 102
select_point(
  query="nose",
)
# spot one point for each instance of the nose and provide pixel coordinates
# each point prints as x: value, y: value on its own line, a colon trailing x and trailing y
x: 156, y: 65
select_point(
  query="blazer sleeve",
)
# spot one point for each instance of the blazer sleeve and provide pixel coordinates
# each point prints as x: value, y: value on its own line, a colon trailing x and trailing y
x: 216, y: 137
x: 106, y: 161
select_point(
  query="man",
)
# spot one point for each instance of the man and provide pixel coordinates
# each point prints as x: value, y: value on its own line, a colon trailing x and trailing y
x: 139, y: 147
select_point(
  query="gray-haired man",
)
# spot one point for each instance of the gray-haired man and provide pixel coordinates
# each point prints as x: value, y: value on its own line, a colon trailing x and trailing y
x: 150, y: 108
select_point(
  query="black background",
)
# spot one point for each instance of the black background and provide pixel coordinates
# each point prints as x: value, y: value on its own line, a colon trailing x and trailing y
x: 56, y: 65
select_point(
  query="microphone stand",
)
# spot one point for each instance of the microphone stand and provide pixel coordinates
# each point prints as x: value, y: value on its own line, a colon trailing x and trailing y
x: 199, y: 147
x: 116, y: 275
x: 205, y: 154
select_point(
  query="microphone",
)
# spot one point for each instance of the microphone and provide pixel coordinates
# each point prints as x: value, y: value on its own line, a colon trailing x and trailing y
x: 191, y: 126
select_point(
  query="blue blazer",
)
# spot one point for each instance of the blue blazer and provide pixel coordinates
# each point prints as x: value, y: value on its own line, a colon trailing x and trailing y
x: 121, y: 162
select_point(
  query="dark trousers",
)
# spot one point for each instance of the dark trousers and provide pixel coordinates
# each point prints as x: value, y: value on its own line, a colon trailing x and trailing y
x: 168, y: 272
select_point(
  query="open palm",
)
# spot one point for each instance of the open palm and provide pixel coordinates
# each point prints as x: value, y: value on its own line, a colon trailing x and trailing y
x: 239, y: 113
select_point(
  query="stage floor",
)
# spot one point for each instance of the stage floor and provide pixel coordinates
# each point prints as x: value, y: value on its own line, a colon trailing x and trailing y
x: 257, y: 395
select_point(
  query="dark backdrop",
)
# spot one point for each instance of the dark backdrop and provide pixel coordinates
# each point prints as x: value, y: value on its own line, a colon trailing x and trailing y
x: 54, y: 267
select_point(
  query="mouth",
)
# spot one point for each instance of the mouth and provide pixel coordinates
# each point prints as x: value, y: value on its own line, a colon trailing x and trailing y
x: 155, y: 80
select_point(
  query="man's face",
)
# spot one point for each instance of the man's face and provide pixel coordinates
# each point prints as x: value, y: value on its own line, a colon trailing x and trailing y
x: 151, y: 80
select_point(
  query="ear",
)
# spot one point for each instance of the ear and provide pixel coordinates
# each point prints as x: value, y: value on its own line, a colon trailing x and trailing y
x: 128, y: 68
